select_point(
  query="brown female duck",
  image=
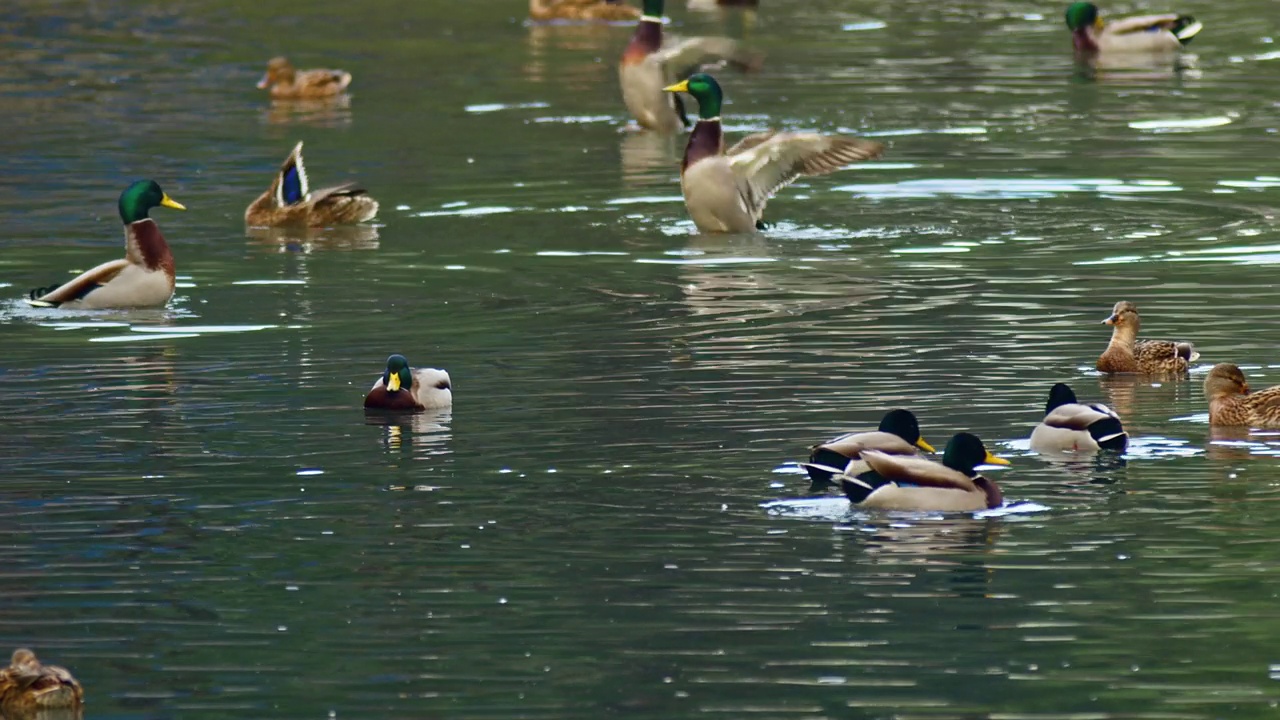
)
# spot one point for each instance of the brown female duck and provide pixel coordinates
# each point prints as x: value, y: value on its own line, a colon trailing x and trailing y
x: 894, y: 482
x: 404, y: 388
x: 650, y: 63
x: 27, y: 686
x: 582, y: 10
x: 1231, y: 402
x: 726, y: 190
x: 898, y: 434
x: 287, y: 82
x: 144, y: 278
x: 1127, y: 354
x: 289, y: 200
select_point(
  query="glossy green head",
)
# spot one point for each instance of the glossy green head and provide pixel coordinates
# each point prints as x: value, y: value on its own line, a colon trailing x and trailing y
x: 398, y: 374
x: 138, y: 199
x: 653, y: 8
x: 705, y: 90
x: 965, y: 452
x: 1081, y: 15
x: 903, y: 423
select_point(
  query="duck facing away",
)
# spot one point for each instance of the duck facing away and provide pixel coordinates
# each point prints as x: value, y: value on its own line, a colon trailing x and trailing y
x: 1127, y: 354
x: 404, y: 388
x: 581, y: 10
x: 289, y: 200
x: 1232, y: 404
x: 726, y: 190
x: 898, y: 434
x: 1071, y: 425
x: 287, y: 82
x: 895, y: 482
x: 650, y: 64
x: 1146, y: 35
x: 144, y: 278
x: 27, y: 686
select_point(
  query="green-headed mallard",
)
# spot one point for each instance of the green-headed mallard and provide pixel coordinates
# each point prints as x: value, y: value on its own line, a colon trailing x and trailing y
x: 287, y: 82
x: 582, y: 10
x: 898, y: 434
x: 1071, y: 425
x: 27, y: 686
x: 726, y: 190
x: 1146, y: 35
x: 1127, y: 354
x: 649, y: 64
x: 895, y: 482
x: 1231, y: 402
x: 143, y: 278
x: 289, y: 200
x: 404, y: 388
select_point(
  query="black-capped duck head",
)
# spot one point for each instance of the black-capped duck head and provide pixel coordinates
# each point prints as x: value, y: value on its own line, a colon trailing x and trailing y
x: 1059, y: 395
x: 1225, y: 380
x: 1124, y: 315
x: 398, y: 375
x: 903, y: 423
x: 965, y: 452
x: 138, y: 199
x: 705, y: 90
x: 1082, y: 15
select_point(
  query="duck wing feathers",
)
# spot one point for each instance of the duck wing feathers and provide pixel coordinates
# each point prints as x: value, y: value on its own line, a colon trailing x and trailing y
x: 764, y: 163
x: 76, y: 288
x: 917, y: 471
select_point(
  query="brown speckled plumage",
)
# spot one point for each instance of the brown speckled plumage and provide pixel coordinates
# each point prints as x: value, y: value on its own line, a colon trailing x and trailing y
x: 584, y: 10
x: 287, y: 82
x: 1127, y: 354
x: 27, y: 686
x: 1231, y: 402
x: 338, y: 205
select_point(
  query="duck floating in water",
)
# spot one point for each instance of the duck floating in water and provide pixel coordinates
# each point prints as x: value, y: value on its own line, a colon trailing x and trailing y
x: 726, y: 190
x: 289, y: 200
x: 582, y: 10
x: 898, y: 434
x: 1231, y: 403
x: 1145, y: 35
x: 27, y: 686
x: 285, y: 81
x: 1070, y: 425
x: 894, y: 482
x: 1127, y: 354
x: 404, y: 388
x: 144, y: 278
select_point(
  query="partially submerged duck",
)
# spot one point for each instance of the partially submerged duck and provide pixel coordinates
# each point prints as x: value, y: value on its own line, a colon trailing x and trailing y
x: 650, y: 64
x: 27, y: 686
x: 1127, y: 354
x: 582, y: 10
x: 726, y: 190
x: 404, y: 388
x: 1231, y: 403
x: 1070, y: 425
x: 1145, y: 35
x: 290, y: 201
x: 894, y: 482
x: 898, y: 434
x: 287, y: 82
x: 144, y: 278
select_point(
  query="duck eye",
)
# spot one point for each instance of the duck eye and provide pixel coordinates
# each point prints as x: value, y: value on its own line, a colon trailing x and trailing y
x: 442, y: 385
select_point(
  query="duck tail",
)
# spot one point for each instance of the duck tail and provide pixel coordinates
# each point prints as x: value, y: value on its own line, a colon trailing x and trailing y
x: 823, y: 463
x: 1186, y: 351
x: 1109, y: 434
x: 1185, y: 28
x: 859, y: 488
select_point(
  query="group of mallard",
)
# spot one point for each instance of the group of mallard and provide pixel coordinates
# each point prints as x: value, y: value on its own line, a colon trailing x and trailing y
x: 882, y: 469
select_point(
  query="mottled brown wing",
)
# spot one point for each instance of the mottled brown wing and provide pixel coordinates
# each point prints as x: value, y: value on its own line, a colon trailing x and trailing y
x: 750, y: 141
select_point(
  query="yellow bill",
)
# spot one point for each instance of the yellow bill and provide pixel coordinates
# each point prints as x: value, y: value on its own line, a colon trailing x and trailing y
x: 993, y: 460
x: 394, y: 383
x: 171, y: 203
x: 925, y: 446
x: 682, y: 86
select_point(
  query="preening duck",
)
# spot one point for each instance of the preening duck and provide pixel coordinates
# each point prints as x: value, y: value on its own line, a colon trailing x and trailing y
x: 290, y: 201
x: 898, y: 434
x: 1070, y: 425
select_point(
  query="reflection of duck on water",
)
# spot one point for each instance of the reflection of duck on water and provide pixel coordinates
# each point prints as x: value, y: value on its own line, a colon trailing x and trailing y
x: 308, y: 240
x: 426, y: 433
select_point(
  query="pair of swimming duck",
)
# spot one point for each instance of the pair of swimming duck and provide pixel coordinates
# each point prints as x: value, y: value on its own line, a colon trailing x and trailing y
x: 146, y: 276
x: 882, y: 469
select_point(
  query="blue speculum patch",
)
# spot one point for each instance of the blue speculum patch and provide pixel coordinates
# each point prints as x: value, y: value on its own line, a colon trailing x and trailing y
x: 292, y: 186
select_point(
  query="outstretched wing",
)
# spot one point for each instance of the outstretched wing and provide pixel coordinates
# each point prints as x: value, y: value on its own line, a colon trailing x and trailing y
x: 680, y: 56
x: 767, y: 162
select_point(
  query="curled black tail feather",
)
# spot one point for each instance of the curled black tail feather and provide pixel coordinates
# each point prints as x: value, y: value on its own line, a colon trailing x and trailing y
x: 859, y: 488
x: 40, y: 292
x: 1185, y: 28
x: 1109, y: 434
x: 822, y: 478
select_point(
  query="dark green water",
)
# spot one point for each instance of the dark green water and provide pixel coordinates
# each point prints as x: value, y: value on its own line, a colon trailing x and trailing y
x: 198, y: 520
